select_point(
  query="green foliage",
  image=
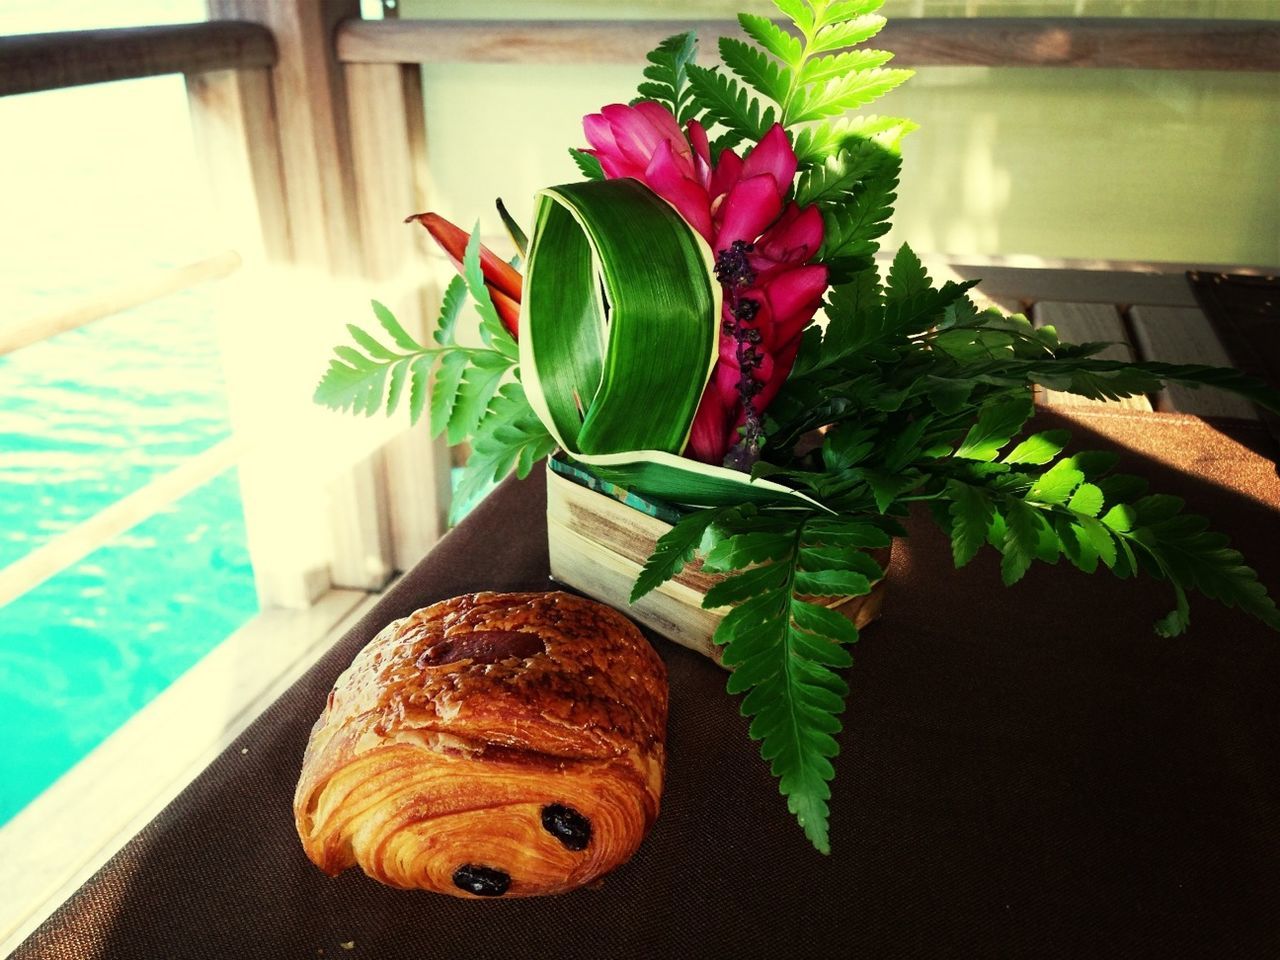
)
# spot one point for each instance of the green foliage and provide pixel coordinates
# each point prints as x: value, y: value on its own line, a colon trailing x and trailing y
x: 463, y: 387
x: 783, y: 645
x: 465, y: 378
x: 921, y: 393
x: 812, y: 76
x: 855, y: 220
x: 807, y: 80
x: 589, y: 165
x: 673, y: 550
x: 999, y: 420
x: 814, y: 143
x: 785, y: 648
x: 509, y: 438
x: 668, y: 75
x: 1047, y: 509
x: 726, y: 102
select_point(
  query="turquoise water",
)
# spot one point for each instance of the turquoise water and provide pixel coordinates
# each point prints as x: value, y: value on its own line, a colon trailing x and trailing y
x: 99, y: 184
x: 85, y: 419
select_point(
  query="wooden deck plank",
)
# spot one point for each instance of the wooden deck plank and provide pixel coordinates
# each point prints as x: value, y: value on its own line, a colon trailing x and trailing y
x: 1185, y: 335
x: 1088, y: 322
x: 1034, y: 284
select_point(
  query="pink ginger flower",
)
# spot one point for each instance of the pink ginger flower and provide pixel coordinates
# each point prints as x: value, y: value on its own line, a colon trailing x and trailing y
x: 762, y: 244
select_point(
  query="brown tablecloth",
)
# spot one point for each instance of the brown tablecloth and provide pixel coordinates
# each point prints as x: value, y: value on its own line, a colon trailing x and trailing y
x: 1024, y: 772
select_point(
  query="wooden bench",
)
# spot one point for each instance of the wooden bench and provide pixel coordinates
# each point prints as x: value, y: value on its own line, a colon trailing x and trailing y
x: 1147, y: 312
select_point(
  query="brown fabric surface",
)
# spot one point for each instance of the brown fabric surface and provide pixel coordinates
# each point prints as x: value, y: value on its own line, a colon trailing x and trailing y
x: 1025, y: 772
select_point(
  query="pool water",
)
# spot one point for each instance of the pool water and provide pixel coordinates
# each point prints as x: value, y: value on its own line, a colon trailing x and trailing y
x: 100, y: 184
x: 85, y: 419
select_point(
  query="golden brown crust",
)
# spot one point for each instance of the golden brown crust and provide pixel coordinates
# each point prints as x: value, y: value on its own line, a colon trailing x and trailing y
x: 456, y: 728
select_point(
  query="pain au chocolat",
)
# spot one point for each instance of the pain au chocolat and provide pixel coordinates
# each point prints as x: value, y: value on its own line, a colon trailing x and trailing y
x: 495, y: 744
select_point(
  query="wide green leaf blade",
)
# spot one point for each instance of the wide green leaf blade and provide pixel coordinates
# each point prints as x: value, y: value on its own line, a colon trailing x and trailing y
x: 679, y: 480
x: 619, y: 319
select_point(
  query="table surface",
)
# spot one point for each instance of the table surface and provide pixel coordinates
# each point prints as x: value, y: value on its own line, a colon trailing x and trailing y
x: 1024, y: 772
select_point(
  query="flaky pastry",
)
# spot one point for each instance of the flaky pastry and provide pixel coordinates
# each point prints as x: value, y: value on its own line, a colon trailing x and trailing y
x: 493, y: 744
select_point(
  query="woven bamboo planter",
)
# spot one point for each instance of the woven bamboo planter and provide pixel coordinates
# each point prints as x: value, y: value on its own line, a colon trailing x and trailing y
x: 600, y: 538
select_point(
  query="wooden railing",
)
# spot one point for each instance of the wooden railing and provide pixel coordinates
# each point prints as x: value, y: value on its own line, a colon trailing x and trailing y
x: 133, y: 292
x: 925, y: 42
x: 312, y: 167
x: 69, y: 548
x: 53, y: 61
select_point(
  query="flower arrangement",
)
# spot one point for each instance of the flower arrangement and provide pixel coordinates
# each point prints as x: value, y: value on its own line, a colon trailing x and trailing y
x: 663, y: 338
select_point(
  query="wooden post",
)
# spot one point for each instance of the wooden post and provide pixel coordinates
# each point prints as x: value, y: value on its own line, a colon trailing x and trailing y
x: 234, y: 123
x: 311, y: 112
x: 279, y: 150
x: 388, y: 140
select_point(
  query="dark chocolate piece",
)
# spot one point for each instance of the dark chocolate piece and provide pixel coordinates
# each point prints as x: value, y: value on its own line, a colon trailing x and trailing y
x: 482, y: 881
x: 567, y: 825
x: 483, y: 646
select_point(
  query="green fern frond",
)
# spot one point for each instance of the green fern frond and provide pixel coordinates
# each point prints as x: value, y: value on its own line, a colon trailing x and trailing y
x: 668, y: 77
x: 726, y: 102
x: 816, y: 142
x: 849, y: 92
x: 840, y: 175
x: 772, y: 38
x: 822, y: 69
x: 763, y: 74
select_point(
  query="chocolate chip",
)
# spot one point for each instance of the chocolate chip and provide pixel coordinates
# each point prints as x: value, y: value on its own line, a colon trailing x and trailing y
x: 483, y: 646
x: 482, y: 881
x: 567, y: 825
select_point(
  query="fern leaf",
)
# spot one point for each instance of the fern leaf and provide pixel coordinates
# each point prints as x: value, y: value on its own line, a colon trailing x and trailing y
x: 1192, y: 557
x: 347, y: 386
x: 821, y: 69
x: 847, y: 9
x: 814, y: 143
x: 419, y: 379
x: 474, y: 276
x: 846, y: 33
x: 853, y: 227
x: 784, y: 649
x: 444, y: 392
x: 727, y: 102
x: 389, y: 323
x: 839, y: 175
x: 798, y: 12
x: 510, y: 437
x: 673, y: 551
x: 754, y: 67
x: 1057, y: 484
x: 773, y: 38
x: 998, y: 421
x: 479, y: 383
x: 399, y: 375
x: 667, y: 71
x: 587, y: 164
x: 855, y: 313
x: 1039, y: 448
x: 455, y: 295
x: 907, y: 277
x: 1021, y: 538
x: 843, y: 93
x: 970, y: 512
x: 743, y: 549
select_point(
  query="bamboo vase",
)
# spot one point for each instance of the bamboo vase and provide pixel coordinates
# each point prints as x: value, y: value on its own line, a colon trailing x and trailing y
x: 599, y: 537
